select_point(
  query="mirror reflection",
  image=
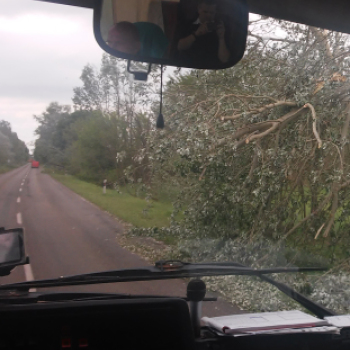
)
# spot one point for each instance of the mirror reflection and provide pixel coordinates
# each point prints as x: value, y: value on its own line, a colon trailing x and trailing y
x: 188, y: 33
x: 10, y: 247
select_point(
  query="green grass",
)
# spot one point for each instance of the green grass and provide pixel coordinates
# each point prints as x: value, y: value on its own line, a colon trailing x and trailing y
x: 5, y: 169
x: 131, y: 209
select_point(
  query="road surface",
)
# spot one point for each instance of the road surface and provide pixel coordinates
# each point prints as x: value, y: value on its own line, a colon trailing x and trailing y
x: 66, y: 235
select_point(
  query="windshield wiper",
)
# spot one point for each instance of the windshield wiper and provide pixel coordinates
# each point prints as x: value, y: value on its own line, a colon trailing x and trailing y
x: 24, y: 297
x: 162, y: 270
x: 310, y: 305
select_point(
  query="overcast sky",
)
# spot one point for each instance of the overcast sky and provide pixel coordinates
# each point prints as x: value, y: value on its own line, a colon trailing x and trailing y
x: 44, y: 48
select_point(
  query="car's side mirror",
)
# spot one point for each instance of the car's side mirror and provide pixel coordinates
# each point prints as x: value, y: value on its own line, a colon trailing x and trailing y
x: 12, y: 252
x: 207, y: 34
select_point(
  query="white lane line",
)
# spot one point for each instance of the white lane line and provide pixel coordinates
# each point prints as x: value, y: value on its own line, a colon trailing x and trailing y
x: 20, y: 190
x: 29, y: 275
x: 19, y: 200
x: 19, y: 218
x: 28, y: 272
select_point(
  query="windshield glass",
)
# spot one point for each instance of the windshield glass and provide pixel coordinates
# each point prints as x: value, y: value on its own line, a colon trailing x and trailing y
x: 252, y: 164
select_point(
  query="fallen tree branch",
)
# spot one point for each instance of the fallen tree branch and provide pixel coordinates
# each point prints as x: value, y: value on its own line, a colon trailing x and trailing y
x: 257, y: 130
x: 263, y: 134
x: 300, y: 172
x: 202, y: 173
x: 251, y: 128
x: 271, y: 39
x: 276, y: 124
x: 333, y: 192
x: 259, y: 110
x: 319, y: 230
x: 340, y: 155
x: 319, y: 208
x: 314, y: 129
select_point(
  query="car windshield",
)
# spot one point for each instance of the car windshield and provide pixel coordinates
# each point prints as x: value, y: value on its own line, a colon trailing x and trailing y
x: 252, y: 164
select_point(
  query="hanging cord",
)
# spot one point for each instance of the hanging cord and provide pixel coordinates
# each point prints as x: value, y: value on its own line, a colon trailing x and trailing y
x: 160, y: 119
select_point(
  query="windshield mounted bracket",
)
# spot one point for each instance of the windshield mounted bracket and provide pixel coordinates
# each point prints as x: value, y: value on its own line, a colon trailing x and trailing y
x: 139, y: 75
x: 6, y: 270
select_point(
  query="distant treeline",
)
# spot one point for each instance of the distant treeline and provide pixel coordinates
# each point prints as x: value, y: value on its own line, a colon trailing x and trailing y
x: 13, y: 151
x: 101, y: 137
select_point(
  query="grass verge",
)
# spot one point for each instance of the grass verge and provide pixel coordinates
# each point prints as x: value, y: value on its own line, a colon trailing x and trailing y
x: 136, y: 211
x: 4, y: 169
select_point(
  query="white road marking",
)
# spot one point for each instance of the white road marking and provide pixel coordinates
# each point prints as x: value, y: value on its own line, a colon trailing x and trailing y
x: 28, y: 272
x: 20, y: 190
x: 19, y: 200
x: 19, y: 218
x: 29, y: 275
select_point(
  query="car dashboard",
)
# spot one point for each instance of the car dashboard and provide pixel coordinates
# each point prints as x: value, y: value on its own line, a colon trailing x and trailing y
x: 145, y: 323
x: 112, y: 324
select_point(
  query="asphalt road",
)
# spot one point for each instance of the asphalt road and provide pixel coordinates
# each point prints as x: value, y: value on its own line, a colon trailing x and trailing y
x: 67, y: 235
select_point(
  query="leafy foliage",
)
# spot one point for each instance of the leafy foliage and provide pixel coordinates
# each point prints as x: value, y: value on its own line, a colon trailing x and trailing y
x: 13, y: 151
x: 261, y: 149
x: 101, y: 138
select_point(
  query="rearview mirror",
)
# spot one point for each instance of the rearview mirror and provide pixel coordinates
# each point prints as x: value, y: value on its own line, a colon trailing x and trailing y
x: 206, y: 34
x: 12, y: 251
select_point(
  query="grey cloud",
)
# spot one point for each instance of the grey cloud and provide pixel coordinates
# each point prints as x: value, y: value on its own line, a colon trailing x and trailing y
x: 17, y: 7
x: 36, y: 70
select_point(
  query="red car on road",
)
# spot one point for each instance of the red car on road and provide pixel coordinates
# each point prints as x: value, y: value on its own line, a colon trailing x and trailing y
x: 35, y: 164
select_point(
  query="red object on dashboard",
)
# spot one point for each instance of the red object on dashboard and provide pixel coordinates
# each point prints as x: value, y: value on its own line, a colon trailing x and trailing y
x: 66, y: 343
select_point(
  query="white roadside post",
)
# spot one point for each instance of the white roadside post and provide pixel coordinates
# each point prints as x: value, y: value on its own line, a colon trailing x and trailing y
x: 104, y: 185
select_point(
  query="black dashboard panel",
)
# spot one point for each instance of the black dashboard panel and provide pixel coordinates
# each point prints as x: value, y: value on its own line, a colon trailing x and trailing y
x: 139, y: 323
x: 114, y: 324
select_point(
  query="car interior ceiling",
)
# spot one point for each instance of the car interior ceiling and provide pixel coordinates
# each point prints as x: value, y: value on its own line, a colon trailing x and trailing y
x: 333, y: 15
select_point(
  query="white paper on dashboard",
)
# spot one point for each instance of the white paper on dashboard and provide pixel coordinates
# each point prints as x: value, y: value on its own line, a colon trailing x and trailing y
x: 322, y: 329
x: 339, y: 321
x: 263, y: 321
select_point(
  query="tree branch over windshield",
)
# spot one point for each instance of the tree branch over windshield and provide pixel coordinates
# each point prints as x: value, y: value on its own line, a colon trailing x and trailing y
x: 289, y: 94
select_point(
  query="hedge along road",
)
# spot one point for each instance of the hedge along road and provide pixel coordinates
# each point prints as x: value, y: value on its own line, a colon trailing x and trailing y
x: 67, y: 235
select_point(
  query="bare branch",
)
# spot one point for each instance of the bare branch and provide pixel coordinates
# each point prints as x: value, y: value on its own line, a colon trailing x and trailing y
x: 251, y: 128
x: 271, y: 39
x: 202, y: 173
x: 311, y: 107
x: 263, y: 134
x: 319, y: 230
x: 319, y: 208
x: 261, y: 127
x: 340, y: 155
x: 334, y: 192
x: 259, y: 110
